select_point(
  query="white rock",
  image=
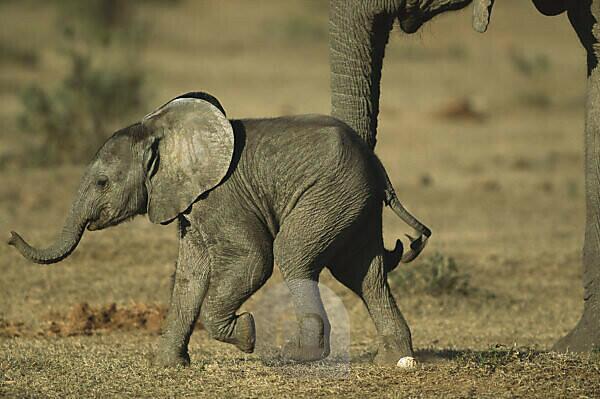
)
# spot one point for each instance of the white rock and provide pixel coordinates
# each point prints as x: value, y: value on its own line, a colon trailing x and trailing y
x: 407, y: 362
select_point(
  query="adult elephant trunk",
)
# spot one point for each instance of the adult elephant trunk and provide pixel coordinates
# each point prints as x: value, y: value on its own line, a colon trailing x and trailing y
x: 358, y: 34
x: 64, y: 245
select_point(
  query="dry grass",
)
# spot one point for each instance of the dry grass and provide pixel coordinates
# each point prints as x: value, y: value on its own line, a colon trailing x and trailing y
x: 96, y: 367
x: 489, y: 156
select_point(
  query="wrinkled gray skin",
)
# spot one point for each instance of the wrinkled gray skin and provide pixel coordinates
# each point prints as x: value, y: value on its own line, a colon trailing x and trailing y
x: 300, y: 192
x: 359, y: 31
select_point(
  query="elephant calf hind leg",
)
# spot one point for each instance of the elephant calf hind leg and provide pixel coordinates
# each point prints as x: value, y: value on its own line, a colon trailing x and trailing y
x: 395, y: 341
x: 371, y: 285
x: 311, y: 341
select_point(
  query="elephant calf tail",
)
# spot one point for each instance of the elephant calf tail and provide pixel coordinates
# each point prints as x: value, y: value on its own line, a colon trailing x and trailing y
x: 392, y: 258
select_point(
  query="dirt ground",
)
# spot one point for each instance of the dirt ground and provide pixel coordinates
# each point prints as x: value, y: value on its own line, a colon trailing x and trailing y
x: 482, y: 136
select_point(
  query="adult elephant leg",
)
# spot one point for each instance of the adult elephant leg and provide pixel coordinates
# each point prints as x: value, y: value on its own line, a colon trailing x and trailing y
x: 189, y: 288
x: 585, y: 17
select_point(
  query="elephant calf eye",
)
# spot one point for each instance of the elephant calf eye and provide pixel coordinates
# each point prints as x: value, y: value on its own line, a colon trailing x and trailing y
x: 102, y: 181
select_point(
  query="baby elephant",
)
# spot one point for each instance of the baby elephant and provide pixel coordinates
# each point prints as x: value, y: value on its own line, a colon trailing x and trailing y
x: 302, y: 192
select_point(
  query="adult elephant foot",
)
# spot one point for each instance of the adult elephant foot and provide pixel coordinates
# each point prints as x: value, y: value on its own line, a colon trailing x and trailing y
x: 391, y: 351
x: 585, y: 337
x: 309, y: 344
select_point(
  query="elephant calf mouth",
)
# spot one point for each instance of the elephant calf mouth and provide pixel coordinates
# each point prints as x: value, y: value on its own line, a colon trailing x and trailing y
x: 93, y: 226
x: 98, y: 224
x: 102, y: 223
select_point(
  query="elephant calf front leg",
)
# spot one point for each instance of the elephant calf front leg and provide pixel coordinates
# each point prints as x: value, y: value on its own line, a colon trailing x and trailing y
x: 190, y: 284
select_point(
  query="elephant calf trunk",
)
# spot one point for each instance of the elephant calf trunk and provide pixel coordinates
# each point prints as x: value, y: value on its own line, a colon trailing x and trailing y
x: 75, y: 223
x: 63, y: 247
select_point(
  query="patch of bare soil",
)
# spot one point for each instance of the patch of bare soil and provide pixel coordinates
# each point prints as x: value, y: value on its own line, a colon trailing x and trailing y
x: 84, y: 319
x: 9, y: 329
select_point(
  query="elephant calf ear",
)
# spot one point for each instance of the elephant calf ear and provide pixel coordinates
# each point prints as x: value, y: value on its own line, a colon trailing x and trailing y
x: 195, y: 148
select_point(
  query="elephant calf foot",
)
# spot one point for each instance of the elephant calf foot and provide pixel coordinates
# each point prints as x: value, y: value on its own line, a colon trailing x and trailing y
x: 166, y: 358
x: 244, y: 333
x: 391, y: 350
x: 310, y: 343
x: 239, y: 331
x: 302, y: 354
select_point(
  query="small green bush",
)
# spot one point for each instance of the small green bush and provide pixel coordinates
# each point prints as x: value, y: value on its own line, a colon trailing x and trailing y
x: 101, y: 22
x: 496, y: 357
x: 14, y: 54
x: 529, y: 64
x: 72, y: 119
x: 102, y: 90
x: 534, y: 98
x: 436, y: 275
